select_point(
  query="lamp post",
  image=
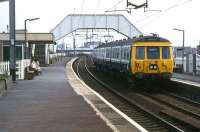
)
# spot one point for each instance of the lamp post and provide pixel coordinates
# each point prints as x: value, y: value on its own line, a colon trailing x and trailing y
x: 183, y: 31
x: 25, y: 32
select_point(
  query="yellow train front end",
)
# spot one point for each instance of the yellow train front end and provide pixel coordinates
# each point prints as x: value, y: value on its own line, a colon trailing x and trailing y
x: 152, y: 59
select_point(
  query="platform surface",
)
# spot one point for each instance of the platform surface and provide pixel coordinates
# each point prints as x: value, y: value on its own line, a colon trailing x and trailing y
x: 187, y: 77
x: 47, y: 104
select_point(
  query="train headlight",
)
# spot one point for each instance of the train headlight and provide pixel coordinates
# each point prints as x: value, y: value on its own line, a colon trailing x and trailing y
x: 153, y: 67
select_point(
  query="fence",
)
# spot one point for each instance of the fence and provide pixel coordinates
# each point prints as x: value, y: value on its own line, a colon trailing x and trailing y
x: 20, y: 66
x: 5, y: 67
x: 198, y: 64
x: 55, y: 57
x: 191, y: 63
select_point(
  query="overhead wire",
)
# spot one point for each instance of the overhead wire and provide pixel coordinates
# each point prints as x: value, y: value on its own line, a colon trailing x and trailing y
x: 82, y: 5
x: 154, y: 14
x: 79, y: 20
x: 119, y: 2
x: 97, y: 5
x: 177, y: 5
x: 169, y: 8
x: 95, y: 12
x: 159, y: 14
x: 115, y: 5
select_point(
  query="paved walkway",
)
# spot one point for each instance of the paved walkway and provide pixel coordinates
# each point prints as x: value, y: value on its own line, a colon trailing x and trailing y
x: 47, y: 104
x: 187, y: 77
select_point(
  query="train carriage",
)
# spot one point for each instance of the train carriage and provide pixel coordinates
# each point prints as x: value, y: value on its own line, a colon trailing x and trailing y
x: 142, y: 57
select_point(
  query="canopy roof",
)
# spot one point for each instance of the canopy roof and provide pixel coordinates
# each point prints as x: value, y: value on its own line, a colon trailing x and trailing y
x: 36, y: 38
x: 74, y: 22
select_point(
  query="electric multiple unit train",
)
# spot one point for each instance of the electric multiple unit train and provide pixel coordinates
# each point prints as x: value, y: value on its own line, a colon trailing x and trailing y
x: 144, y: 57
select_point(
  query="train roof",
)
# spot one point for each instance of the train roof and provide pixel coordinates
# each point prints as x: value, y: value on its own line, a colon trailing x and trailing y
x: 116, y: 43
x: 134, y: 40
x: 150, y: 39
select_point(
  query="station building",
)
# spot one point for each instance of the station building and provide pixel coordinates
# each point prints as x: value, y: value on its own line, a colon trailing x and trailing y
x: 38, y: 45
x: 191, y: 61
x: 198, y: 49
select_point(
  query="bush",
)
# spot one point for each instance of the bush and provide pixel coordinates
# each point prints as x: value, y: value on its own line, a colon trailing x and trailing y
x: 3, y: 76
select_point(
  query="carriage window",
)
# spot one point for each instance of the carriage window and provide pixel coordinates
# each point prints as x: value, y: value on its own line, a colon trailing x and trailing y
x: 140, y: 52
x: 117, y: 53
x: 124, y: 51
x: 113, y: 53
x: 165, y: 53
x: 153, y: 53
x: 107, y: 53
x: 128, y: 52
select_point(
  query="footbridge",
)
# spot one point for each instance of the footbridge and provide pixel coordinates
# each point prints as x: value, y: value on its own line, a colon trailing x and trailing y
x: 74, y: 22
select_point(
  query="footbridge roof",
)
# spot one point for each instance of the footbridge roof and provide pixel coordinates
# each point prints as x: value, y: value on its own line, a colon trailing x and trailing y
x: 74, y: 22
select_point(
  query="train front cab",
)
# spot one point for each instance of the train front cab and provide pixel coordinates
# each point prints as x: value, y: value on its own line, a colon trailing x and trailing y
x: 152, y: 60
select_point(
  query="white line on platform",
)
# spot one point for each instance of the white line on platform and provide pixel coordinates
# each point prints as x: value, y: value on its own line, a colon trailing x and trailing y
x: 135, y: 124
x: 186, y: 82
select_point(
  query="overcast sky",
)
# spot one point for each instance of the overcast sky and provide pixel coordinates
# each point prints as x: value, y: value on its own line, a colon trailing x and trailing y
x: 182, y: 14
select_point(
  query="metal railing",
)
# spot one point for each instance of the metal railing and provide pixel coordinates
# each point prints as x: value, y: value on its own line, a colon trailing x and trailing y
x: 20, y: 66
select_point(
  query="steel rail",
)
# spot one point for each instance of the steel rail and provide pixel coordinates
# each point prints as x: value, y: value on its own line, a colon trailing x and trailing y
x: 168, y: 124
x: 183, y: 110
x: 77, y: 69
x: 197, y: 104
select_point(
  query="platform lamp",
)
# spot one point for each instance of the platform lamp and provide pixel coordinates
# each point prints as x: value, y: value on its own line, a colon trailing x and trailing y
x: 25, y: 33
x: 183, y: 46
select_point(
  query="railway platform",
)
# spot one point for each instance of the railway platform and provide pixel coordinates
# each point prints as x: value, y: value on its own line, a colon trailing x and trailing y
x: 47, y: 104
x: 186, y: 78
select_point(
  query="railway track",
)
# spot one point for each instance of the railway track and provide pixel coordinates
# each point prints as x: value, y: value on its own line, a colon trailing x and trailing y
x: 175, y: 110
x: 185, y: 107
x: 189, y: 101
x: 187, y: 92
x: 140, y: 114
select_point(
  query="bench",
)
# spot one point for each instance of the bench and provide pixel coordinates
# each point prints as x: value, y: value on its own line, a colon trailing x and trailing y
x: 29, y: 73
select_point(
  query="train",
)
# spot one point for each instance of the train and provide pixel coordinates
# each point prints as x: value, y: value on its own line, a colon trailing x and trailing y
x: 143, y: 57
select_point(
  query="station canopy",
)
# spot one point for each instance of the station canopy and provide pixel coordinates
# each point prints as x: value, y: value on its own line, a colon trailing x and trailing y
x: 75, y: 22
x: 32, y: 38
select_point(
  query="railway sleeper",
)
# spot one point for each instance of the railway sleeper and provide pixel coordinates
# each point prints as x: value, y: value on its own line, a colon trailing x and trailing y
x: 193, y: 123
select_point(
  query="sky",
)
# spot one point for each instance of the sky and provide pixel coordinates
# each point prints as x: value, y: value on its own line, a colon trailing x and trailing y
x: 181, y: 14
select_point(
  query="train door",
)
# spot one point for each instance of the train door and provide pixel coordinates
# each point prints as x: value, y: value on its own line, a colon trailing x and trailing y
x: 153, y: 62
x: 137, y: 59
x: 167, y: 59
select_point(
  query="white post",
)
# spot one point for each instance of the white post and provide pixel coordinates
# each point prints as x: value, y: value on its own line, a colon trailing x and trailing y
x: 2, y: 51
x: 22, y: 69
x: 22, y: 51
x: 8, y: 68
x: 1, y: 67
